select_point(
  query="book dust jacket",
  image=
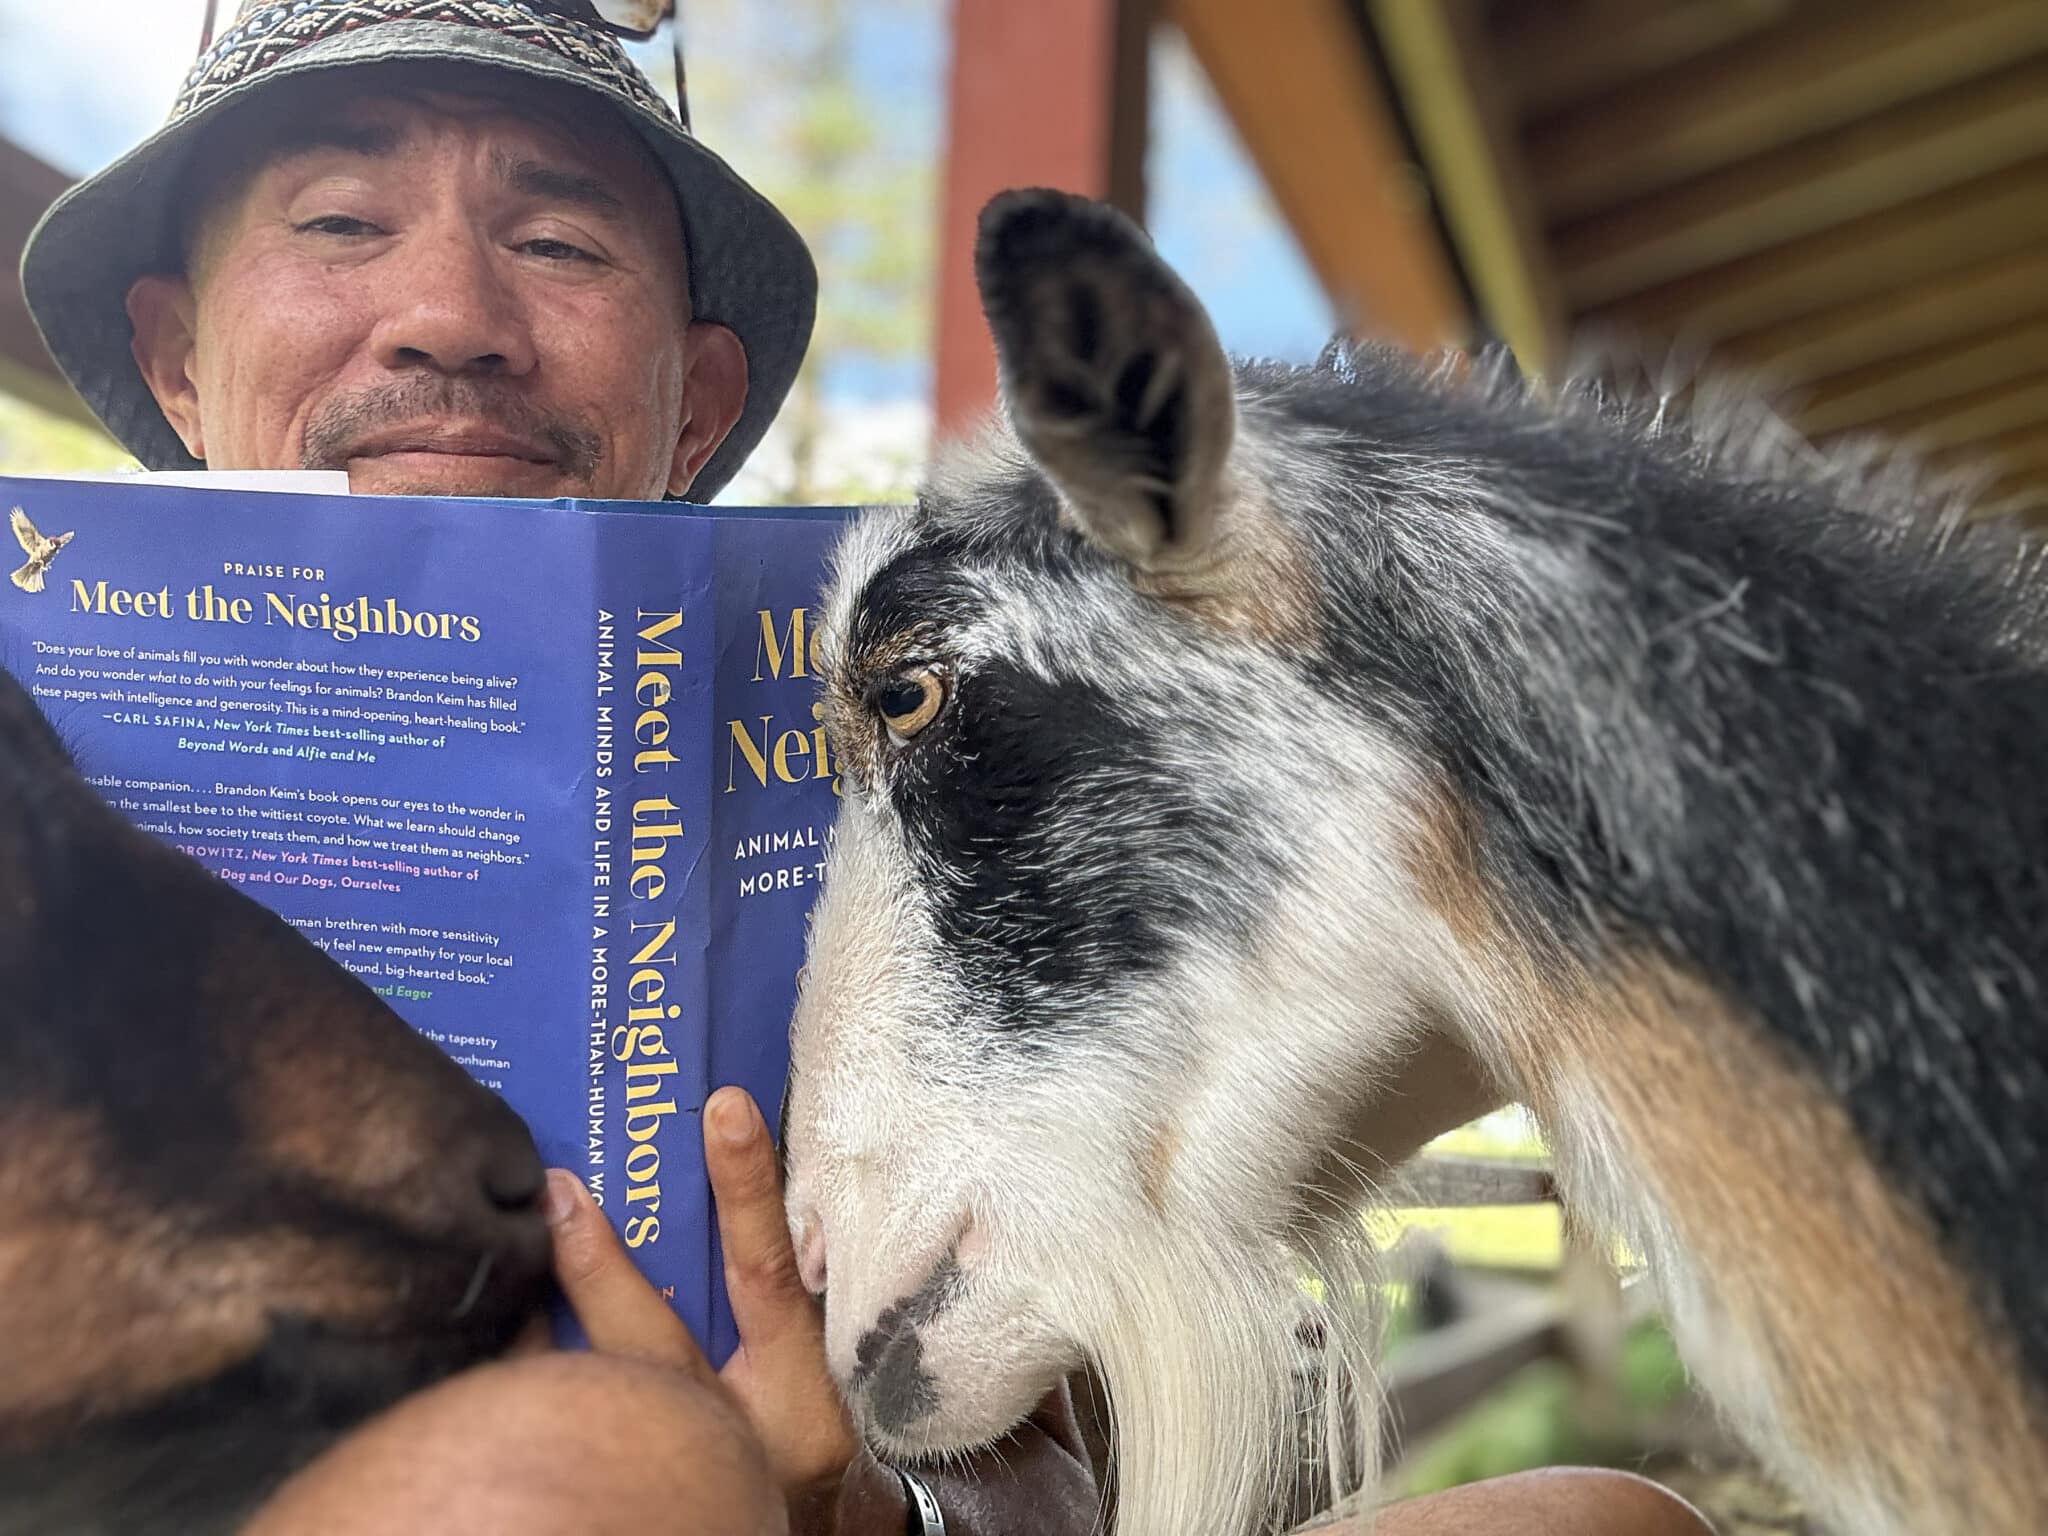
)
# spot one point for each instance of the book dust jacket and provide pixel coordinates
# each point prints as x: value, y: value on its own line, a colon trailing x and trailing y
x: 547, y: 777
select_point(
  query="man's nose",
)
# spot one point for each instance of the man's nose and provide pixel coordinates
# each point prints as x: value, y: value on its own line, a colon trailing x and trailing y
x: 449, y: 307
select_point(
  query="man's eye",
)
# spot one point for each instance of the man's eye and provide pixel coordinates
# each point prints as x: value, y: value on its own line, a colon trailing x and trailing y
x: 337, y: 224
x: 557, y: 250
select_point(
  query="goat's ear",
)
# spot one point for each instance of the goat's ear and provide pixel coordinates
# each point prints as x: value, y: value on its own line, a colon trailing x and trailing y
x: 1111, y: 372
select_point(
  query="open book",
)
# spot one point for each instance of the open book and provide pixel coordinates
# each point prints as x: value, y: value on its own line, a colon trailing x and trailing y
x: 546, y: 776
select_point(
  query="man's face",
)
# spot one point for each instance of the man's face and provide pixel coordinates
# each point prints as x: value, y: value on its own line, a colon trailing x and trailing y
x: 445, y: 295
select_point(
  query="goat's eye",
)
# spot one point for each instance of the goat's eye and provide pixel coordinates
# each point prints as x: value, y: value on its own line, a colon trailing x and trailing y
x: 910, y: 703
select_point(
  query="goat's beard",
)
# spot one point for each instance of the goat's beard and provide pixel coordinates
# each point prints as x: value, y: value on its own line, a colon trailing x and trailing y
x: 1215, y: 1422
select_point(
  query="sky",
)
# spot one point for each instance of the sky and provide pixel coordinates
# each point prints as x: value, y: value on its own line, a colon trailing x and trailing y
x: 80, y: 82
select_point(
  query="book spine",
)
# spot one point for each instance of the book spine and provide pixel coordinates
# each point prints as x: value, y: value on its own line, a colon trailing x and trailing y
x: 648, y: 1042
x: 773, y: 796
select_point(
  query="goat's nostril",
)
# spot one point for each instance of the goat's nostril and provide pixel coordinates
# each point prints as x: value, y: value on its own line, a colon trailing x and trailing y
x: 513, y: 1178
x: 973, y: 1245
x: 810, y: 1254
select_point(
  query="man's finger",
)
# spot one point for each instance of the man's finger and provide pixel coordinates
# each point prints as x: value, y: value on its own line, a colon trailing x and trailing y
x: 769, y: 1302
x: 620, y: 1312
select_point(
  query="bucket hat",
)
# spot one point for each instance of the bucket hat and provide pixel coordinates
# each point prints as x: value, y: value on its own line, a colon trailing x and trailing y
x: 749, y: 269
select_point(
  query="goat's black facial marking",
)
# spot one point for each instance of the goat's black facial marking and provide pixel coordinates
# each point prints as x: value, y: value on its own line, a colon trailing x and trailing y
x: 1063, y: 857
x: 899, y: 1390
x: 1040, y: 894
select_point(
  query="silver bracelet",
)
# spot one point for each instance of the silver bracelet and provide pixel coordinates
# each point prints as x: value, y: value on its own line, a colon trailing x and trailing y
x: 922, y: 1504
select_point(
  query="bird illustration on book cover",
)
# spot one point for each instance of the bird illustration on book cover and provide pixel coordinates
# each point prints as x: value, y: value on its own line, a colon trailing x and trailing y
x: 41, y: 550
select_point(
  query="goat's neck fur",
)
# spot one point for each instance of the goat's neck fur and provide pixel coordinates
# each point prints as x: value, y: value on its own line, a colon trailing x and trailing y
x: 1740, y: 844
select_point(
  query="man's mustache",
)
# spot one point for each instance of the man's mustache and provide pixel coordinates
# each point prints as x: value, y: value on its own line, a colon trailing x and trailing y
x: 341, y: 425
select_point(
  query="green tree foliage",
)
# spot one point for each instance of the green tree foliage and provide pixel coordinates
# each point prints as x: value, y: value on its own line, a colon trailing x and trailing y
x: 34, y: 442
x: 773, y: 88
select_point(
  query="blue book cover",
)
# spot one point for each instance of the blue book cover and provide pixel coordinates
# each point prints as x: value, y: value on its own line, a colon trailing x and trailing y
x: 546, y: 776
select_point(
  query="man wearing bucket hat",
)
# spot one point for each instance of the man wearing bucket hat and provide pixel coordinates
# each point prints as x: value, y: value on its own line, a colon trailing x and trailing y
x: 251, y: 288
x: 464, y: 247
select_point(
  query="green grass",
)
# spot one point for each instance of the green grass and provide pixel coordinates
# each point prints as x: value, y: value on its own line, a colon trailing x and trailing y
x: 1539, y: 1416
x: 1536, y: 1420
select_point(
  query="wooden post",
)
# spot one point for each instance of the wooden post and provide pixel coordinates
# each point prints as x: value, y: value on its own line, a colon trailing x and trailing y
x: 1049, y: 94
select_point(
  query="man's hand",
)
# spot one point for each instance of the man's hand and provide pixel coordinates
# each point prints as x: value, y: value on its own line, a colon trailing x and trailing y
x: 778, y: 1376
x: 779, y: 1372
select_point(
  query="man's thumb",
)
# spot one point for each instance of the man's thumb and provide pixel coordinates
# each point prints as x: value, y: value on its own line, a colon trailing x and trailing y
x: 620, y: 1312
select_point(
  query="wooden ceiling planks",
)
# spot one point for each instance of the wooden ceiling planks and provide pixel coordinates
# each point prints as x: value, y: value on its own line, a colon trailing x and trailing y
x: 1847, y: 198
x: 1826, y: 67
x: 1973, y: 417
x: 2023, y: 450
x: 1829, y: 340
x: 1928, y: 376
x: 1926, y: 238
x: 1567, y: 52
x: 1871, y: 165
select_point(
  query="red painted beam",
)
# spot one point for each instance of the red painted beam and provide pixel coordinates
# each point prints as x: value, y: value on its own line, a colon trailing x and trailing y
x: 1049, y: 94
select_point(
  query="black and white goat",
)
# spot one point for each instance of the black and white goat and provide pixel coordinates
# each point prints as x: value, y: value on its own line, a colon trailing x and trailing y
x: 1213, y: 739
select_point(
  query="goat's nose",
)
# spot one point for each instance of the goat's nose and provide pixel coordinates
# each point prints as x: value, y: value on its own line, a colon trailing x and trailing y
x: 513, y: 1176
x: 506, y: 1168
x: 888, y: 1359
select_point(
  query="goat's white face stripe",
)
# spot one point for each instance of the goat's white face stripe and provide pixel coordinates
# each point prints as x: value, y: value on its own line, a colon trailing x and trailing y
x: 918, y: 1112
